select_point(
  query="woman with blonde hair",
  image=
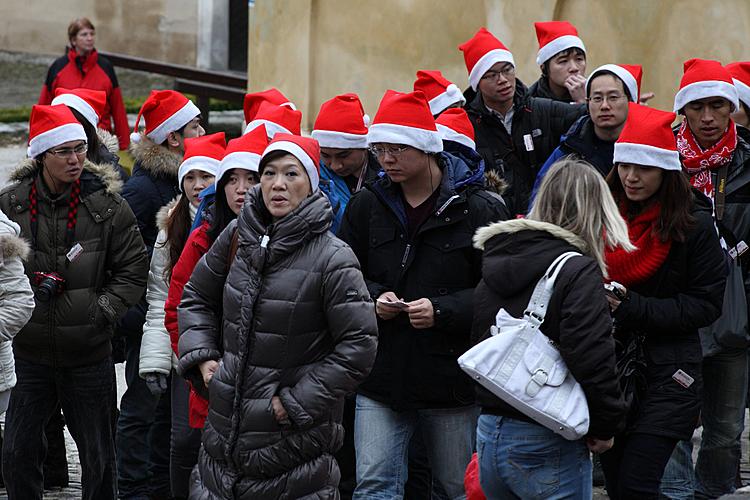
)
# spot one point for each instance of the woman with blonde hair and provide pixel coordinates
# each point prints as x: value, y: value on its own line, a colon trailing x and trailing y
x: 573, y: 211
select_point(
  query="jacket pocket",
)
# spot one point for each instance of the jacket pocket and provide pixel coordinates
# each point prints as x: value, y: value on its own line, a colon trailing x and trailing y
x: 382, y: 254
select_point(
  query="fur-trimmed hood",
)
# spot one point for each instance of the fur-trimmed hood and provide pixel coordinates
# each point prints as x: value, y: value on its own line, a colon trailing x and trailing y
x: 164, y: 212
x: 108, y: 140
x: 11, y: 244
x: 155, y: 159
x: 105, y: 172
x: 515, y: 225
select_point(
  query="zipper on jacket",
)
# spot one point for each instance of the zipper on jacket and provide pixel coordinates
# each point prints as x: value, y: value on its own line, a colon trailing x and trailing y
x: 53, y: 302
x: 445, y: 205
x: 406, y: 255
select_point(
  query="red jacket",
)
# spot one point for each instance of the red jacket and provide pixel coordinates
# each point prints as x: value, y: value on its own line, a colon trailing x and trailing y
x: 96, y: 73
x: 196, y: 246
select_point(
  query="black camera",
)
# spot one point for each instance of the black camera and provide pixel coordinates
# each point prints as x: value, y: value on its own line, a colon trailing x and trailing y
x: 47, y: 285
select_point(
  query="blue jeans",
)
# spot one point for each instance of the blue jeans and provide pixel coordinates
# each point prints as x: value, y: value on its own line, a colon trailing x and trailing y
x: 527, y: 461
x: 381, y: 442
x: 143, y: 434
x: 678, y: 481
x: 85, y: 394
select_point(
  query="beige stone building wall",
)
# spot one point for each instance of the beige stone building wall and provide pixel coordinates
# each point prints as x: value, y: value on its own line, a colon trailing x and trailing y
x: 164, y: 30
x: 315, y: 49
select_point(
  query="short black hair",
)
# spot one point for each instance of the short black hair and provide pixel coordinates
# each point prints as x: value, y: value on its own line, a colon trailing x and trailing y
x: 603, y: 72
x: 574, y: 50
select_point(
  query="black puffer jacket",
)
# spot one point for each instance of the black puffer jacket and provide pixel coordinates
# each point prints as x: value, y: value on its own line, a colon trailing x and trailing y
x: 542, y: 120
x: 685, y: 294
x: 417, y: 368
x: 540, y: 88
x: 296, y: 322
x: 516, y: 255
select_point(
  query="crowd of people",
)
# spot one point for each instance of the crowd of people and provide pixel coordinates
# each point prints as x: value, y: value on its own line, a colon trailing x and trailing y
x: 291, y: 308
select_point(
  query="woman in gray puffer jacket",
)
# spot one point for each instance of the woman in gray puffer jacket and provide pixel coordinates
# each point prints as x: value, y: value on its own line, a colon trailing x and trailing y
x: 296, y: 331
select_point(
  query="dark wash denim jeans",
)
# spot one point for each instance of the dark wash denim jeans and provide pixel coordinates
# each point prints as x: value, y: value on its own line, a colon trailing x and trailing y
x: 85, y: 394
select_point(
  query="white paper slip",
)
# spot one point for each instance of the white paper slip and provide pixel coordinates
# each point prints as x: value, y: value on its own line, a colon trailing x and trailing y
x: 683, y: 379
x: 400, y: 304
x: 74, y: 252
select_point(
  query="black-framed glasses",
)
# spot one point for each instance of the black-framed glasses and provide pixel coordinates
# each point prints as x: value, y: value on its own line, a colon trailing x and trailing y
x: 79, y: 150
x: 508, y: 71
x: 612, y: 98
x: 394, y: 151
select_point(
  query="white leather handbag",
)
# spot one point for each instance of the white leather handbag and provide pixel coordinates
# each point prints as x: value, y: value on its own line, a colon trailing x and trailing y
x: 521, y: 366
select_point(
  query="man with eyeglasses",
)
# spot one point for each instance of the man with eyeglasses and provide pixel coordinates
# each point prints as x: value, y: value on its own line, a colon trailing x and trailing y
x: 412, y: 233
x: 592, y: 137
x: 87, y: 266
x: 515, y: 133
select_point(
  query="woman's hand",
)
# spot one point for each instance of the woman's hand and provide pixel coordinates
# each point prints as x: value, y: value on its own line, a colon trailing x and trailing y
x: 383, y: 310
x: 279, y: 412
x: 599, y: 445
x: 208, y: 368
x: 613, y: 303
x: 421, y: 313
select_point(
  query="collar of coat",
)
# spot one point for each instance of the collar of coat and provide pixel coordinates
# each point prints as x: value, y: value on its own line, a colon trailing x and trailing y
x: 517, y: 225
x: 105, y: 173
x: 157, y: 160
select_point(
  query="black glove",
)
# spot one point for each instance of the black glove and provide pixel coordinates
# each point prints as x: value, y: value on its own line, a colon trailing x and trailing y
x: 156, y: 383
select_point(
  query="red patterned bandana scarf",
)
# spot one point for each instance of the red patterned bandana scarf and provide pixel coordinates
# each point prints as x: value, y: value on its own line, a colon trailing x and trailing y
x: 699, y: 163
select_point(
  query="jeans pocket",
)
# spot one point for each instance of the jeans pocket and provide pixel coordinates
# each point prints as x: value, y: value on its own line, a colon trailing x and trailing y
x: 534, y: 468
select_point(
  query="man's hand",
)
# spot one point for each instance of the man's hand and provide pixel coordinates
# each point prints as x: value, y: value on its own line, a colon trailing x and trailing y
x: 421, y: 313
x: 208, y: 368
x: 599, y: 445
x: 156, y: 383
x: 576, y: 85
x: 385, y: 311
x: 279, y: 412
x: 645, y: 98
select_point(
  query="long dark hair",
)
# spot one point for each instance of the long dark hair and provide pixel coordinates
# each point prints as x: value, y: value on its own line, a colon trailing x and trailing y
x: 222, y: 214
x: 676, y: 199
x: 92, y: 138
x: 178, y: 231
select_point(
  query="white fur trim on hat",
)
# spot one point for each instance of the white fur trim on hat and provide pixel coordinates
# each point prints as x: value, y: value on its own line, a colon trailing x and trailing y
x: 558, y: 45
x: 626, y: 76
x: 448, y: 134
x: 301, y: 155
x: 743, y: 91
x: 271, y: 128
x: 54, y: 137
x: 244, y: 160
x: 452, y: 95
x: 80, y: 105
x: 706, y: 88
x: 341, y: 140
x: 643, y: 154
x: 485, y: 62
x: 428, y: 141
x: 175, y: 122
x: 202, y: 163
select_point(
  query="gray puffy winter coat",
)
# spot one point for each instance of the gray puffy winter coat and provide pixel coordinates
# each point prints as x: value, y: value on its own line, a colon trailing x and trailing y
x: 296, y: 321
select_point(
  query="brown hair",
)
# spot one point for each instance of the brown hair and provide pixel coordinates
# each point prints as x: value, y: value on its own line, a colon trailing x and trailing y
x: 77, y: 25
x: 676, y: 199
x: 178, y: 225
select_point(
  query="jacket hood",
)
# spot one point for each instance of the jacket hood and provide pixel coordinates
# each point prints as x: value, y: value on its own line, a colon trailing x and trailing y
x: 163, y: 214
x: 11, y: 244
x: 518, y: 251
x: 155, y: 159
x: 103, y: 173
x: 108, y: 140
x: 463, y: 168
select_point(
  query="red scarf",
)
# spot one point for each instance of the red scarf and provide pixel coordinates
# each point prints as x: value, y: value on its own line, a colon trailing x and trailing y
x: 699, y: 163
x: 631, y: 268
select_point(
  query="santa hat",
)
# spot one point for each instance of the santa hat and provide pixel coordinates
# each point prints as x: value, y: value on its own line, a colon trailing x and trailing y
x: 341, y: 123
x: 277, y: 119
x: 630, y: 74
x: 164, y: 111
x: 481, y: 53
x: 202, y: 153
x: 305, y: 149
x: 252, y: 102
x: 740, y: 72
x: 405, y: 119
x: 554, y: 37
x: 244, y: 152
x: 703, y: 78
x: 647, y: 139
x: 454, y: 125
x: 439, y: 91
x: 90, y: 103
x: 50, y: 126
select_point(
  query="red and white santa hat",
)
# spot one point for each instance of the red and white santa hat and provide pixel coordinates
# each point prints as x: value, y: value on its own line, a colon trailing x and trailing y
x: 740, y: 72
x: 454, y: 125
x: 164, y: 111
x: 405, y: 119
x: 202, y: 153
x: 482, y: 52
x: 252, y: 101
x: 90, y: 103
x: 341, y: 123
x: 439, y: 91
x: 703, y: 78
x: 630, y: 74
x: 244, y: 152
x: 647, y: 139
x: 554, y: 37
x: 50, y: 126
x: 277, y: 119
x: 305, y: 149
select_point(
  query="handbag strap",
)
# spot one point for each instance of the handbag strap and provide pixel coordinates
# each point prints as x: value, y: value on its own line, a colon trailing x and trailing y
x: 537, y: 308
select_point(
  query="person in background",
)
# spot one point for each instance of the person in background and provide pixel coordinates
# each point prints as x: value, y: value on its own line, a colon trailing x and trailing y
x: 740, y: 72
x: 83, y: 67
x: 88, y: 264
x: 669, y: 287
x: 441, y: 93
x: 562, y: 59
x: 519, y: 458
